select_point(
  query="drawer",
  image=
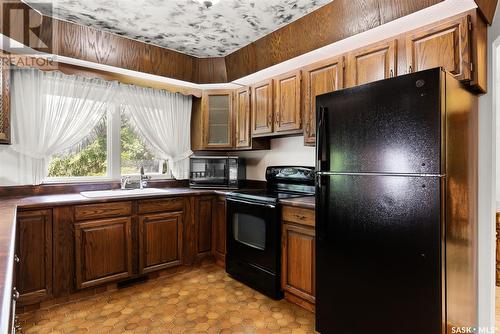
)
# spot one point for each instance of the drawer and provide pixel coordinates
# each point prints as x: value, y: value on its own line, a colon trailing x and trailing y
x: 298, y: 215
x: 103, y: 210
x: 161, y: 204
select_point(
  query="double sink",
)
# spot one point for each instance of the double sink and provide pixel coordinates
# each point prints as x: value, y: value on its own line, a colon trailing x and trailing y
x: 124, y: 192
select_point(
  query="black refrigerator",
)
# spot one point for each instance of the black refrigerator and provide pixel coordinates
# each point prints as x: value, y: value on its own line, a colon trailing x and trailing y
x: 396, y: 203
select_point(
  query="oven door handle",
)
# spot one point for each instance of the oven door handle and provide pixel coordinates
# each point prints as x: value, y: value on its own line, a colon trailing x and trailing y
x: 267, y: 205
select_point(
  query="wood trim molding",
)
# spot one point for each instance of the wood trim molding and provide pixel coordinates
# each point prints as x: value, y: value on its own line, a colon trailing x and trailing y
x: 333, y: 22
x: 5, y: 130
x: 89, y: 44
x: 49, y: 65
x: 487, y: 9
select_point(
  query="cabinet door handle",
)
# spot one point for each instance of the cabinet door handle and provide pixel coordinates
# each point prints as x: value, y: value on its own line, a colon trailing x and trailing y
x: 15, y: 294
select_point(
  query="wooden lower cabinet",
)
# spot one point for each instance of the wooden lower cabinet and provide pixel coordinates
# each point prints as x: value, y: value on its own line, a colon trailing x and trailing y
x: 160, y: 241
x: 203, y: 225
x: 34, y: 256
x: 219, y: 231
x: 298, y: 261
x: 103, y: 251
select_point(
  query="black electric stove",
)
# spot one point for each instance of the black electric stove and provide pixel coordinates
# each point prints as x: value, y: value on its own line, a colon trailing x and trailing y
x: 254, y: 229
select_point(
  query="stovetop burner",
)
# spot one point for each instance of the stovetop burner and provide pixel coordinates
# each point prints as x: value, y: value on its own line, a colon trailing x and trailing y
x: 264, y: 195
x: 282, y: 183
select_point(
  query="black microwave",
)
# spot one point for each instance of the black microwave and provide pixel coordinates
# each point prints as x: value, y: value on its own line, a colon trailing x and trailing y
x: 216, y: 172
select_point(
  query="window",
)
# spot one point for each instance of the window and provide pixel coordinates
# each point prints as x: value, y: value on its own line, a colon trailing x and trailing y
x: 113, y: 150
x: 91, y: 160
x: 135, y: 154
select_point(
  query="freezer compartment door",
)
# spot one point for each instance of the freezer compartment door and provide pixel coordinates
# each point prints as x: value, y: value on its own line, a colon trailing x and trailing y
x: 378, y: 258
x: 389, y: 126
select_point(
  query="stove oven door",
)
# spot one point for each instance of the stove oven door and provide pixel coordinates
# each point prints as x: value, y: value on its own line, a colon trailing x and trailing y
x: 253, y: 244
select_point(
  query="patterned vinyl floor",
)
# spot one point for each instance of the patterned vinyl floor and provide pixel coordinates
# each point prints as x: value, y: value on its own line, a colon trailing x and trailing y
x: 203, y: 300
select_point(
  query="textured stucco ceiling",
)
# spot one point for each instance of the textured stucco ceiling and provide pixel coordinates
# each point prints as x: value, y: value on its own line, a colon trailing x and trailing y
x: 187, y: 26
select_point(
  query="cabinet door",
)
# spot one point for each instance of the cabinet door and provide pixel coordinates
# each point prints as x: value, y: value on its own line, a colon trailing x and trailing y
x: 320, y: 78
x: 103, y: 251
x: 372, y: 63
x: 160, y: 241
x: 242, y: 114
x: 219, y: 230
x: 217, y: 119
x: 298, y: 265
x: 446, y: 45
x: 34, y: 251
x: 287, y: 102
x: 262, y: 108
x: 203, y: 226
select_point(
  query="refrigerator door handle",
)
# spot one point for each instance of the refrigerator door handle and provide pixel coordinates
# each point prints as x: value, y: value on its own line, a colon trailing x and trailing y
x: 321, y: 206
x: 320, y: 140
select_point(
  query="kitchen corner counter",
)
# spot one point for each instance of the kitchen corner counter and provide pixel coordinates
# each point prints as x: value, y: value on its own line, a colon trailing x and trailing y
x: 8, y: 211
x: 306, y: 202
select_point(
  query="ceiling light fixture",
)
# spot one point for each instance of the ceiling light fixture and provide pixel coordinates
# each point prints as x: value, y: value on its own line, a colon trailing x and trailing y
x: 208, y: 3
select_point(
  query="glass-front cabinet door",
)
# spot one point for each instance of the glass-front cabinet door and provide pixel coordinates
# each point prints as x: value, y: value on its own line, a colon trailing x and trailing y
x: 218, y: 119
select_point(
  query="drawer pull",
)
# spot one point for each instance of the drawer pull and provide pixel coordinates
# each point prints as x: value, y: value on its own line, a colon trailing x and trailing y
x: 16, y: 259
x: 300, y: 217
x: 15, y: 294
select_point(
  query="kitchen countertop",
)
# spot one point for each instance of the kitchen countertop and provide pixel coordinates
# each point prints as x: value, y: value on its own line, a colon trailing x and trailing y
x: 10, y: 205
x: 306, y: 202
x: 8, y: 210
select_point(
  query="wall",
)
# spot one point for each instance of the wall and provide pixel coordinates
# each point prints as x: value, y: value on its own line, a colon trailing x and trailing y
x: 487, y: 180
x: 13, y: 168
x: 284, y: 151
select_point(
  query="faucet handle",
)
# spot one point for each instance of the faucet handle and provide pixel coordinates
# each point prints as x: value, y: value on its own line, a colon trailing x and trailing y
x: 123, y: 181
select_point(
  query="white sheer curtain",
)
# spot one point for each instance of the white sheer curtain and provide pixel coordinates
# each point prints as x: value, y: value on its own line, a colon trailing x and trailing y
x: 163, y: 120
x: 53, y: 112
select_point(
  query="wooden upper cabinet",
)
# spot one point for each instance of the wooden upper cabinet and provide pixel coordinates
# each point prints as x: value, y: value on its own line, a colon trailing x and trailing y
x: 447, y: 45
x: 287, y: 113
x: 372, y: 63
x: 242, y: 115
x: 103, y: 251
x: 34, y: 251
x: 160, y: 241
x: 319, y: 78
x: 217, y: 114
x: 262, y: 108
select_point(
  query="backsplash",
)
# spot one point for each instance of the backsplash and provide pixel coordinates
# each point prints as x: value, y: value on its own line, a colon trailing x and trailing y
x: 284, y: 151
